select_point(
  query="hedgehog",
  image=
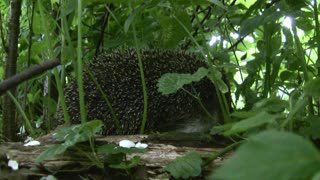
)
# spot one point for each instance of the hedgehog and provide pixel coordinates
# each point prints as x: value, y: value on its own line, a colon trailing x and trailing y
x: 119, y: 76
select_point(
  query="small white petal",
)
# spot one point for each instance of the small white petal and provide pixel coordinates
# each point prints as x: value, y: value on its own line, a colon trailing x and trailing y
x: 126, y: 143
x: 13, y: 164
x: 141, y: 145
x: 32, y: 143
x: 28, y: 139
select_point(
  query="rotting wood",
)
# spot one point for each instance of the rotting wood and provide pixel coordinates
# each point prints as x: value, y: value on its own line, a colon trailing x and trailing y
x: 157, y: 156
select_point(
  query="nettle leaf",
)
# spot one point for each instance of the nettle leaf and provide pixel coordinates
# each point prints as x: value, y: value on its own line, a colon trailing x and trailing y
x: 71, y: 136
x: 171, y: 82
x: 312, y: 88
x: 79, y: 133
x: 185, y: 167
x: 272, y: 155
x: 252, y: 122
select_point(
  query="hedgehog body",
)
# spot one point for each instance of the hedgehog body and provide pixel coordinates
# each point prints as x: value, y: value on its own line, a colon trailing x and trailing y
x: 119, y: 76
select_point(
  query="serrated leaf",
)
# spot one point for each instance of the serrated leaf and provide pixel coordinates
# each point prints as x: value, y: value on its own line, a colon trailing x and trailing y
x: 312, y: 88
x: 71, y: 136
x: 185, y: 167
x: 79, y: 133
x: 252, y: 122
x: 171, y: 82
x: 271, y: 155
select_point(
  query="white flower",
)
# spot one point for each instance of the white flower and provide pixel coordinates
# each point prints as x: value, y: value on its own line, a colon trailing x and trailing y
x: 13, y: 164
x: 32, y: 143
x: 141, y: 145
x: 126, y: 143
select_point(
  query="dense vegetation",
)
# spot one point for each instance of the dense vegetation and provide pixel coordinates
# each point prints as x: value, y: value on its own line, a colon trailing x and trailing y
x: 269, y: 51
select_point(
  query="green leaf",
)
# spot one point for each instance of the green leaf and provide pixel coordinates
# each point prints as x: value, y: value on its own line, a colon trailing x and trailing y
x: 171, y: 31
x: 311, y: 127
x: 252, y: 122
x: 79, y: 133
x: 185, y: 167
x: 312, y: 88
x: 218, y: 80
x: 271, y: 155
x: 250, y: 24
x: 171, y: 82
x: 273, y: 105
x: 51, y: 152
x: 131, y: 17
x: 71, y: 136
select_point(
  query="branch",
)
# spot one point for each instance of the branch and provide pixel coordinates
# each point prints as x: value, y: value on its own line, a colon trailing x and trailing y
x: 29, y: 73
x: 103, y: 28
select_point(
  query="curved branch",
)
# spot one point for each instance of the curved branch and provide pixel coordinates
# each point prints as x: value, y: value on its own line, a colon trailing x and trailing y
x: 29, y: 73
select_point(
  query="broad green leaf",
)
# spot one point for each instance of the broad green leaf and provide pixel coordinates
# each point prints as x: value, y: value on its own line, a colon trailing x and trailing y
x: 71, y: 136
x: 68, y: 7
x: 252, y: 122
x: 271, y: 155
x: 51, y: 152
x: 243, y: 114
x: 171, y: 82
x: 79, y: 133
x: 185, y: 167
x: 273, y: 105
x: 312, y: 88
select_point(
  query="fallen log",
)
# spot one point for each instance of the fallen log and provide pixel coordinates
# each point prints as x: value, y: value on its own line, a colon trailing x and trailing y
x: 75, y: 165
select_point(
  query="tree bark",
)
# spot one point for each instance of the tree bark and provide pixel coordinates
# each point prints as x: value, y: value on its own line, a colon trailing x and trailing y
x: 75, y: 165
x: 9, y: 110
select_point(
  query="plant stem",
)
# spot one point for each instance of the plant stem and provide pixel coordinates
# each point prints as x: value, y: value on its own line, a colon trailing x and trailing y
x: 83, y: 114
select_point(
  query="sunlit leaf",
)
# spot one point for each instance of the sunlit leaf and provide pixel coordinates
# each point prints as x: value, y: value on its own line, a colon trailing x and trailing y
x: 171, y: 82
x: 252, y: 122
